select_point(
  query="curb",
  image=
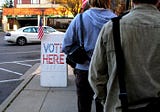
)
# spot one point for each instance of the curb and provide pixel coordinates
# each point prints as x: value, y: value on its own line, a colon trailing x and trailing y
x: 27, y: 77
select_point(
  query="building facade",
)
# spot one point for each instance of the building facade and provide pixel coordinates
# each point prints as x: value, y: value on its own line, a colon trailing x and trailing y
x: 29, y: 12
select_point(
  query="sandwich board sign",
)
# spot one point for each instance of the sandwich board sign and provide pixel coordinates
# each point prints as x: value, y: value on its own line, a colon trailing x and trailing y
x: 53, y: 64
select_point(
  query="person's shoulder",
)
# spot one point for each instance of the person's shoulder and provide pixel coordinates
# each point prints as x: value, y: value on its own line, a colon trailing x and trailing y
x: 108, y: 24
x: 77, y: 16
x: 107, y: 27
x: 123, y: 17
x: 76, y: 19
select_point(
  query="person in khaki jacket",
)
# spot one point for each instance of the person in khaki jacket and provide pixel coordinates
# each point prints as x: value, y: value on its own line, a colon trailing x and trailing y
x: 140, y: 39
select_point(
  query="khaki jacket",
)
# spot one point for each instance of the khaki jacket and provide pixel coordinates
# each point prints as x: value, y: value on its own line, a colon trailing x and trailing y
x: 140, y: 38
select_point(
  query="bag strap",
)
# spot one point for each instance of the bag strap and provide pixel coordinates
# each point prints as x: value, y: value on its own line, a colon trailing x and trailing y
x: 127, y: 4
x: 120, y: 63
x: 81, y: 29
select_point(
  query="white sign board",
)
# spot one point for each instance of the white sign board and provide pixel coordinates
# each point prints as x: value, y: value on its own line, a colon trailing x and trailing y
x: 53, y: 64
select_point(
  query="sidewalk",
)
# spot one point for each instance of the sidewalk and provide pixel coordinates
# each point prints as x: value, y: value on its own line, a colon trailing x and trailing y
x: 29, y: 96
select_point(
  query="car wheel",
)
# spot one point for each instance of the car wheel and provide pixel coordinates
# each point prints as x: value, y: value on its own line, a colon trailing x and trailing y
x: 21, y: 41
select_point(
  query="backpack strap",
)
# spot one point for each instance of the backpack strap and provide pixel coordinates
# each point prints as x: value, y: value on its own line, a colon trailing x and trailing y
x: 81, y: 31
x: 120, y: 63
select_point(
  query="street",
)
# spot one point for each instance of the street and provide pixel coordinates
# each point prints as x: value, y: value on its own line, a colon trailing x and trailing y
x: 14, y: 62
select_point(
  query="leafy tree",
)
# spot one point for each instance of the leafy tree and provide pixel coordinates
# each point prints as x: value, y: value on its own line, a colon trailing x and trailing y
x: 74, y: 6
x: 58, y: 1
x: 62, y: 11
x: 8, y: 4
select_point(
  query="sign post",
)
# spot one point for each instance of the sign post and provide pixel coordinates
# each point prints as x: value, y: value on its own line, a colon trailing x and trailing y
x: 53, y: 64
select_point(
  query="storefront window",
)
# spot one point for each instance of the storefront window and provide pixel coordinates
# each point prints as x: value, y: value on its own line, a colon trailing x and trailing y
x: 34, y: 1
x: 19, y: 1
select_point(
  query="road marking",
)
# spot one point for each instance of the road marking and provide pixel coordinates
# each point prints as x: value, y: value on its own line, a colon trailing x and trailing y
x: 11, y: 71
x: 11, y: 80
x: 24, y: 64
x: 20, y: 52
x: 20, y: 61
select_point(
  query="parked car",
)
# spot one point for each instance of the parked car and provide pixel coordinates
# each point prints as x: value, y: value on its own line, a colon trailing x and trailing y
x: 28, y: 34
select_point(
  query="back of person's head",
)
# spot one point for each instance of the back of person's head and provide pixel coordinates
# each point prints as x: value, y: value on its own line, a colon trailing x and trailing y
x: 146, y: 1
x: 99, y: 3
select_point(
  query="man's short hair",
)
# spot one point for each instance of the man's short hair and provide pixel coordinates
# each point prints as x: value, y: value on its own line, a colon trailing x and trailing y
x: 146, y: 1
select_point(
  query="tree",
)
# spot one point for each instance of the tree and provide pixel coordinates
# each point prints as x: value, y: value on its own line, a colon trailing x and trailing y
x: 74, y: 6
x: 8, y: 4
x: 58, y: 1
x: 62, y: 11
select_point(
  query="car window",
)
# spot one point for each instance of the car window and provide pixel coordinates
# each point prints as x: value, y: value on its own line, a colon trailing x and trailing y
x: 36, y: 28
x: 30, y: 30
x: 49, y: 29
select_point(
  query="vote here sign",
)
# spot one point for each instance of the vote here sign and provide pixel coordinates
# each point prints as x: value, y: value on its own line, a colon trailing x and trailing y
x: 53, y: 64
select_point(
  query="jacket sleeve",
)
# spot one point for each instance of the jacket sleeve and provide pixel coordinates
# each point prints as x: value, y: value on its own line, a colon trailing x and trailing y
x: 70, y: 35
x: 98, y: 70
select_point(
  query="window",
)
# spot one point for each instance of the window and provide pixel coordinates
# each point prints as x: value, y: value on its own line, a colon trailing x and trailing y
x: 19, y: 1
x: 49, y: 29
x: 30, y: 30
x: 34, y: 1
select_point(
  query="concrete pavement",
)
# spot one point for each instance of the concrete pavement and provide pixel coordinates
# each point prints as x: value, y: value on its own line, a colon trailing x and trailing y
x: 29, y: 96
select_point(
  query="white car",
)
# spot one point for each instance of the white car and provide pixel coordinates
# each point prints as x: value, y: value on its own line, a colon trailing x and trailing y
x: 28, y: 34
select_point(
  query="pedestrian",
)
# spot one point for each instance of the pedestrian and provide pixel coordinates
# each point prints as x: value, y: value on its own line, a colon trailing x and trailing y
x: 140, y: 41
x: 93, y: 20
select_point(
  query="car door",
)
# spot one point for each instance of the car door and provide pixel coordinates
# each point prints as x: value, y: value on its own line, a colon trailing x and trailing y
x: 31, y: 34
